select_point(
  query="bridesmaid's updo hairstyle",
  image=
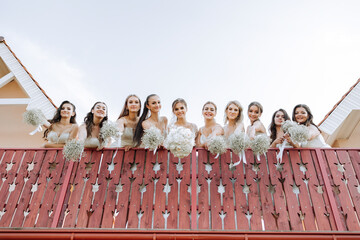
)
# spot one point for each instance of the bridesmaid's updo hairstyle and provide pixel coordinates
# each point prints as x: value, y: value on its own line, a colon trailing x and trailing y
x: 125, y: 110
x: 89, y: 119
x: 178, y: 100
x: 240, y: 117
x: 210, y: 102
x: 139, y: 130
x: 256, y: 104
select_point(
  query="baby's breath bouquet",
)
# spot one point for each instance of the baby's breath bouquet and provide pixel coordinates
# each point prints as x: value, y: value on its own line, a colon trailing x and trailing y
x: 73, y: 150
x: 152, y: 138
x: 217, y: 145
x: 36, y: 118
x: 180, y: 141
x: 299, y: 134
x: 109, y: 131
x: 260, y: 144
x: 287, y: 125
x: 238, y: 142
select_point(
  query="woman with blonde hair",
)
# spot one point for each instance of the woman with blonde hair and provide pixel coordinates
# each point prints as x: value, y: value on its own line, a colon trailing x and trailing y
x: 211, y: 128
x: 233, y: 118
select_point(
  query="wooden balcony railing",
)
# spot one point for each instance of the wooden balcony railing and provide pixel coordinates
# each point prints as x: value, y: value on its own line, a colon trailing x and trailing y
x: 311, y: 190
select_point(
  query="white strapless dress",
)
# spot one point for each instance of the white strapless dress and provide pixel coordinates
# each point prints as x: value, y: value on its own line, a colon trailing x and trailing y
x: 53, y: 137
x: 92, y: 143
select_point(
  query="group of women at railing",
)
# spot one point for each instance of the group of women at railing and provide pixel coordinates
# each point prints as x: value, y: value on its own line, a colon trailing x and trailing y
x: 132, y: 124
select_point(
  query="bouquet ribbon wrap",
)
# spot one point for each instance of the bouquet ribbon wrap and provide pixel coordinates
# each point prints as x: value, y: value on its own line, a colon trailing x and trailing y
x: 38, y: 129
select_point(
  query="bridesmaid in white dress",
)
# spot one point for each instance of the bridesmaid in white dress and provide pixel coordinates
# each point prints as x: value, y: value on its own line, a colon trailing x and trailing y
x: 152, y: 105
x: 89, y: 131
x: 302, y: 115
x: 276, y: 132
x: 179, y: 108
x: 256, y: 127
x: 211, y: 128
x: 233, y: 119
x: 62, y: 127
x: 127, y: 121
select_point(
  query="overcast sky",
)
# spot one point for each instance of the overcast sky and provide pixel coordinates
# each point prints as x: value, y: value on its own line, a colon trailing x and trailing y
x: 279, y: 53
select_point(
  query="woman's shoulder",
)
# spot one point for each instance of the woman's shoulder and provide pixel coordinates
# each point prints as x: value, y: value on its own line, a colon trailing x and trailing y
x: 163, y: 119
x: 258, y: 123
x: 121, y: 120
x: 74, y: 126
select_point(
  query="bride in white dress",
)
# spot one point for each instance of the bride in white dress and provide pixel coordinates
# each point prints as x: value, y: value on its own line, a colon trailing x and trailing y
x: 211, y: 128
x: 302, y: 115
x: 179, y: 108
x: 233, y: 119
x: 62, y: 127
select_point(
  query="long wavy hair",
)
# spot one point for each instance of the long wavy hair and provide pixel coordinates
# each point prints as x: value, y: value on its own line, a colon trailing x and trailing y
x: 240, y: 117
x: 272, y: 127
x: 139, y: 130
x: 309, y: 120
x: 57, y: 117
x: 125, y: 109
x: 89, y: 119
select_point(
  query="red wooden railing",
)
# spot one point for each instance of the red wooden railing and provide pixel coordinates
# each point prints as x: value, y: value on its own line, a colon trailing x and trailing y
x: 311, y: 190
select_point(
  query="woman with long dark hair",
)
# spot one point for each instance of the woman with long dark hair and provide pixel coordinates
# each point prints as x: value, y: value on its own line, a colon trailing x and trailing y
x: 89, y: 131
x: 152, y: 106
x: 127, y: 121
x: 211, y: 128
x: 302, y: 115
x: 62, y: 127
x: 276, y: 132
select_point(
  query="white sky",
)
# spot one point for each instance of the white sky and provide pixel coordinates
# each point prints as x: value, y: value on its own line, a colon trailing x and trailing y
x: 279, y: 53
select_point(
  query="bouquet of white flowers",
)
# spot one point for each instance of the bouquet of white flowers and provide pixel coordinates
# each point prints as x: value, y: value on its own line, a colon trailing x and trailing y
x: 180, y: 141
x: 217, y: 145
x: 73, y: 150
x: 299, y: 134
x: 109, y: 131
x: 260, y: 144
x: 36, y: 118
x: 238, y: 142
x: 287, y: 125
x: 152, y: 138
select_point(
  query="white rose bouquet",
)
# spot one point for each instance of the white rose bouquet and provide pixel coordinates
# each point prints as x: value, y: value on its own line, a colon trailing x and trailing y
x: 180, y: 141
